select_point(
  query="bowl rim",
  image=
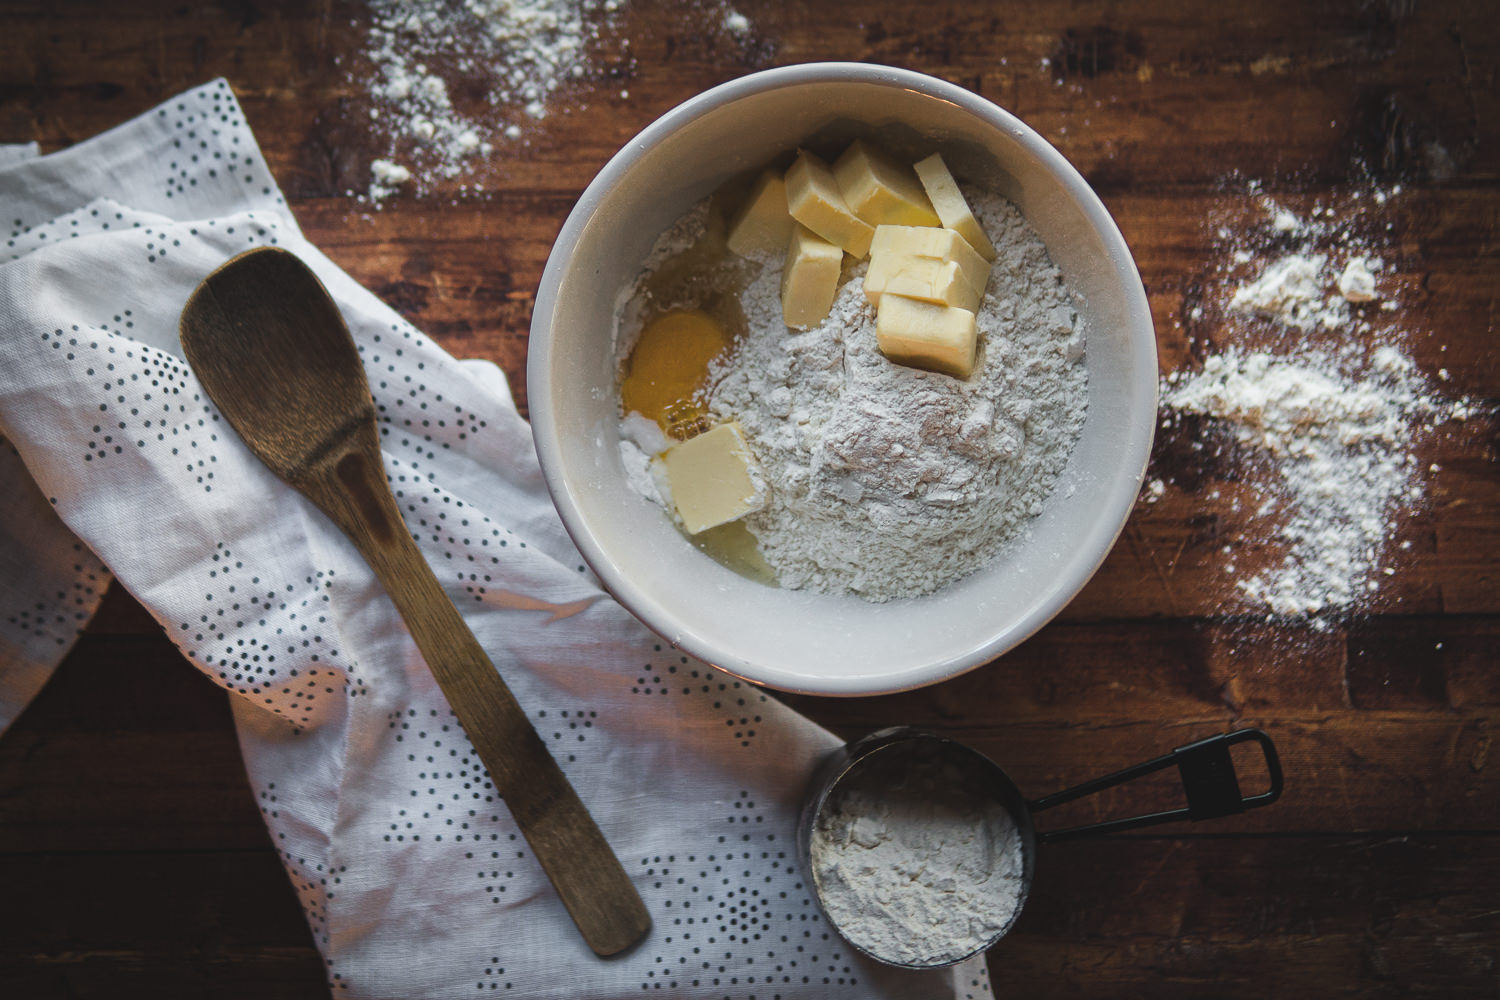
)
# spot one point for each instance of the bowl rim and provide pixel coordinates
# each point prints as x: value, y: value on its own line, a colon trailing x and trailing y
x: 661, y: 619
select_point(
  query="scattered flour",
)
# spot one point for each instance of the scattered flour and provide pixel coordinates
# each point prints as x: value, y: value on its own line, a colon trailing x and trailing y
x: 1338, y: 435
x: 1291, y: 291
x: 888, y: 481
x: 386, y: 177
x: 1326, y: 431
x: 453, y: 79
x: 512, y: 53
x: 913, y: 864
x: 1357, y: 282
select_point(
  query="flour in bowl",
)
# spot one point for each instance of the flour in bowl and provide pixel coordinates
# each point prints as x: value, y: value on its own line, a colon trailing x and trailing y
x: 889, y: 481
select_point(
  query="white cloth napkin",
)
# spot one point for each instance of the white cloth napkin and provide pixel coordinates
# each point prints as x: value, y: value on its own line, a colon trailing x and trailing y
x: 413, y: 877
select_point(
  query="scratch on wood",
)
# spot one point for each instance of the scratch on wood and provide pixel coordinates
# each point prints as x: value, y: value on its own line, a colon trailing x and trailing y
x: 1148, y: 552
x: 1177, y: 556
x: 1161, y: 865
x: 1466, y: 72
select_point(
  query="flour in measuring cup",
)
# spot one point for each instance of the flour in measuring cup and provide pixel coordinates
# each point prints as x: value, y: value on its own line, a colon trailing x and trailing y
x: 914, y: 862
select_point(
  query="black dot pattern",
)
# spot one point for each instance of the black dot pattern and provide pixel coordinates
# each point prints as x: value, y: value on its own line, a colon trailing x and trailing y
x: 52, y: 613
x: 274, y: 646
x: 739, y: 916
x: 450, y: 794
x: 209, y: 143
x: 202, y: 162
x: 414, y: 877
x: 56, y: 618
x: 44, y: 608
x: 684, y: 677
x: 142, y: 402
x: 315, y: 882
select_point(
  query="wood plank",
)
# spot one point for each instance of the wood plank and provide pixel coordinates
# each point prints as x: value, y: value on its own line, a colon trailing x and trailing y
x: 126, y: 790
x: 1170, y: 917
x: 1379, y: 773
x: 1379, y: 730
x: 166, y: 925
x: 1111, y: 673
x: 1299, y: 93
x: 127, y: 747
x: 1171, y: 558
x: 1265, y: 918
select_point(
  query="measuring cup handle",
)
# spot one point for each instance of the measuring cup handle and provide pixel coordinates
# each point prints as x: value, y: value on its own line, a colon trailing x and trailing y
x: 1208, y: 780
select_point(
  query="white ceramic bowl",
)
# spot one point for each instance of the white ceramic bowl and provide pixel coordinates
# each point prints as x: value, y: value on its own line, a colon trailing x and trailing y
x: 787, y: 639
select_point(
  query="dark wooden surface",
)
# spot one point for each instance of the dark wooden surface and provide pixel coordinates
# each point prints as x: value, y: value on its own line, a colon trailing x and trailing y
x: 132, y: 857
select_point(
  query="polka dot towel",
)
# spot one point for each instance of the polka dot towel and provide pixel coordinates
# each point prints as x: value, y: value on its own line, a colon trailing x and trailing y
x: 414, y: 879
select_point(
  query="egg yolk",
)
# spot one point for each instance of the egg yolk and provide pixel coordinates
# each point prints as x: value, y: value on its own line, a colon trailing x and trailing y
x: 669, y: 364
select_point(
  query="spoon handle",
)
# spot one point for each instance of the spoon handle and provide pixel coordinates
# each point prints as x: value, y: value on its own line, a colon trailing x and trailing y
x: 350, y: 486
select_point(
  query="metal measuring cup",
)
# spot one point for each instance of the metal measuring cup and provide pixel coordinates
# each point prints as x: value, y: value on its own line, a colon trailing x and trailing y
x: 1206, y: 768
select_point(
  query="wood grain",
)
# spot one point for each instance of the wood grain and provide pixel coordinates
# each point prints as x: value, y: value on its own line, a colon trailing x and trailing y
x: 1376, y: 874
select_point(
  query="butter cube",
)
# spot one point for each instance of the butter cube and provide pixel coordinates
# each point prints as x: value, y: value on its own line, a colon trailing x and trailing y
x: 894, y: 246
x: 809, y: 278
x: 924, y: 335
x: 713, y: 478
x: 930, y: 280
x: 951, y: 205
x: 762, y: 224
x: 881, y: 191
x: 813, y: 198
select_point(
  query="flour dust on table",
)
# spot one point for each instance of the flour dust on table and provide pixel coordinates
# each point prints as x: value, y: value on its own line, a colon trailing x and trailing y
x: 1325, y: 435
x: 414, y: 878
x: 428, y: 59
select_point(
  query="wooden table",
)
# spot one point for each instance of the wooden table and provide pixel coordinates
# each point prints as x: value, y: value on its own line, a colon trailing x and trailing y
x: 133, y: 859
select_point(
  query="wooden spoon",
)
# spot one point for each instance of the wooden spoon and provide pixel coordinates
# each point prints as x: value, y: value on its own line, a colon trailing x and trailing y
x: 273, y: 352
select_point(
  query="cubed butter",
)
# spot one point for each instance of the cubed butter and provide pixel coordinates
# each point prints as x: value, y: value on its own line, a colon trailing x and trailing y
x: 809, y: 278
x: 951, y: 205
x: 880, y: 190
x: 924, y: 335
x: 930, y: 280
x: 713, y: 478
x: 762, y: 224
x: 893, y: 246
x: 813, y: 199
